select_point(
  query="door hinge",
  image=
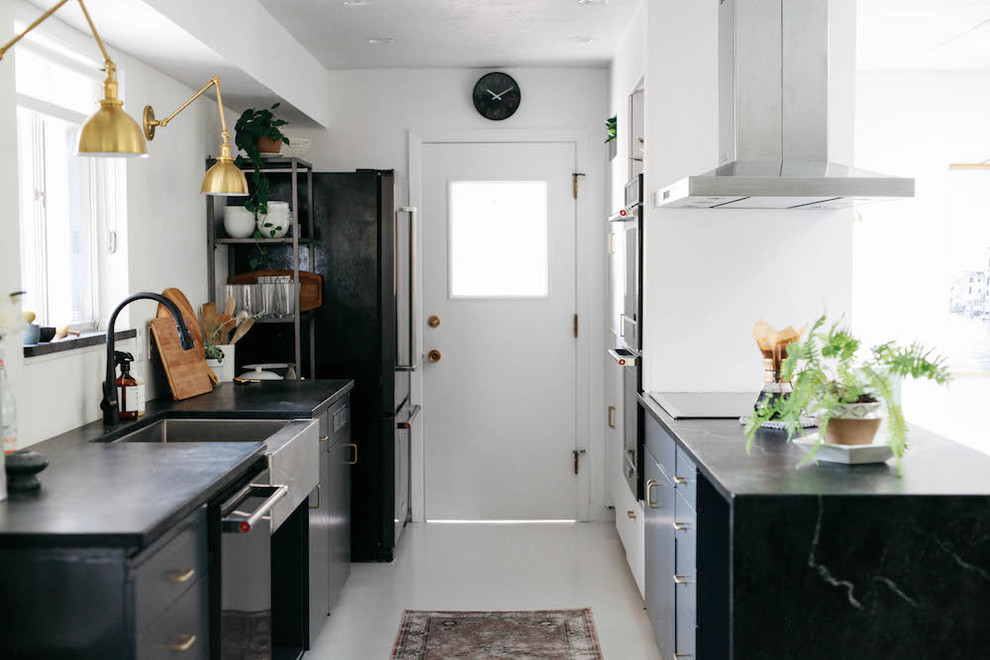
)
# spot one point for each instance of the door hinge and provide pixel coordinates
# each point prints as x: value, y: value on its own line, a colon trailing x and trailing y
x: 577, y: 459
x: 575, y: 326
x: 576, y: 175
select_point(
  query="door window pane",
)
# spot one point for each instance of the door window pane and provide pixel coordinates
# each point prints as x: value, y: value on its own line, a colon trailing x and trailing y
x: 499, y: 239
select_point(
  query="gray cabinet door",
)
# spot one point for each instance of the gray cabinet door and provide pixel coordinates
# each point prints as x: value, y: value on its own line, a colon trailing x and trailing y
x: 659, y: 500
x: 341, y: 456
x: 319, y: 546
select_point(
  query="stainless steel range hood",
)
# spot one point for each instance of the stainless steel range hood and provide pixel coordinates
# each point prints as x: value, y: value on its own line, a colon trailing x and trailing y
x: 773, y: 118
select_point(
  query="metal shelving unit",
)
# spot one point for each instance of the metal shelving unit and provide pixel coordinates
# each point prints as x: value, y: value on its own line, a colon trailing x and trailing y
x: 215, y: 206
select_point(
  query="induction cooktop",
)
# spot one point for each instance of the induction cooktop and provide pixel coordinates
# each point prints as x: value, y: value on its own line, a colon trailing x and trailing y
x: 706, y: 405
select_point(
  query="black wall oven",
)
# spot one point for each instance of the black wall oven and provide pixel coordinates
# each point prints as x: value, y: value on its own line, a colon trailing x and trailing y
x: 627, y: 229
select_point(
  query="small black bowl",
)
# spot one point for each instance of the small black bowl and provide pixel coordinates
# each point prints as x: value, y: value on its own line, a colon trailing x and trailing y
x: 46, y: 335
x: 21, y: 467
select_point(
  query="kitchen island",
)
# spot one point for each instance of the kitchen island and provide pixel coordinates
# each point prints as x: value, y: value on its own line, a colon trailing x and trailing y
x: 117, y: 554
x: 749, y: 556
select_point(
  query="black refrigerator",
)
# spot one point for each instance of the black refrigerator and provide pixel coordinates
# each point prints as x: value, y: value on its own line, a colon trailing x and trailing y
x: 365, y: 250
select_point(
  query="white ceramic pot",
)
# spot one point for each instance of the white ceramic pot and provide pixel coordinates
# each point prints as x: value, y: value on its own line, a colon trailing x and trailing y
x: 238, y: 222
x: 274, y: 224
x: 224, y: 369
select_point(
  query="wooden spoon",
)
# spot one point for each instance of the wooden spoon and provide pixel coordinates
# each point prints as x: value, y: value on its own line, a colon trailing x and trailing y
x: 242, y: 330
x: 209, y: 311
x: 225, y: 328
x: 231, y: 305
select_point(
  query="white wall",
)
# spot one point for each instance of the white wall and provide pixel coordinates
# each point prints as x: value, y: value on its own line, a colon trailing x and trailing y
x: 373, y: 112
x: 914, y: 123
x: 709, y: 275
x: 166, y: 229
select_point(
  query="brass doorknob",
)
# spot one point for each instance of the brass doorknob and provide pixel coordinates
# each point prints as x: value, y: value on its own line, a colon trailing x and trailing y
x: 434, y: 356
x: 433, y: 321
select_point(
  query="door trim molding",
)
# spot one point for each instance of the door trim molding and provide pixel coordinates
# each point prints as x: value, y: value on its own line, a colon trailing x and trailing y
x: 589, y: 298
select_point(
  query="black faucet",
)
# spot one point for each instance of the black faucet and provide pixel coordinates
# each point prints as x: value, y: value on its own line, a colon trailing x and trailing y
x: 109, y: 403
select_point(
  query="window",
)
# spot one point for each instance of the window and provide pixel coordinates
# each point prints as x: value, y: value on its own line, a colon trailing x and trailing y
x: 499, y: 239
x: 63, y: 205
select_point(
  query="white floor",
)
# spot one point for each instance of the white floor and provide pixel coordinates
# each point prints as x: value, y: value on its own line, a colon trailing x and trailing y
x: 491, y: 567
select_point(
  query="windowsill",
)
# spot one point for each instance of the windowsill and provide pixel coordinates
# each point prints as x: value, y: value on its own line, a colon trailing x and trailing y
x: 83, y: 341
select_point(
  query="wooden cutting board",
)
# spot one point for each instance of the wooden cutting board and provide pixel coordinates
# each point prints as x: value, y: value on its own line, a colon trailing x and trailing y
x: 188, y: 313
x: 310, y: 285
x: 188, y: 375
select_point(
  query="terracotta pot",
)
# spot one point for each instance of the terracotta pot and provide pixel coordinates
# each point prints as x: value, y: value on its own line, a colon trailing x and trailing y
x: 852, y: 431
x: 267, y: 146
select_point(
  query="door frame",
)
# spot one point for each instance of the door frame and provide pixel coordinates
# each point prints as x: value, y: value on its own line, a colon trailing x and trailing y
x: 590, y: 423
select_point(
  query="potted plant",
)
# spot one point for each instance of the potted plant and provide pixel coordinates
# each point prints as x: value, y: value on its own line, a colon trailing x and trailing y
x: 257, y: 132
x: 845, y: 390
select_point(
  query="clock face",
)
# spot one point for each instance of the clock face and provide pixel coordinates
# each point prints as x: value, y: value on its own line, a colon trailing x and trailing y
x: 496, y: 96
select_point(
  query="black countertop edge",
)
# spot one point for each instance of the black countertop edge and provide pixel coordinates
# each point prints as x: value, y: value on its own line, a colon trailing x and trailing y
x: 934, y: 466
x: 659, y: 414
x: 62, y: 345
x: 133, y: 542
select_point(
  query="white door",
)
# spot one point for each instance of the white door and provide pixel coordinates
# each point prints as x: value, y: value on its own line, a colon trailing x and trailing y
x: 499, y: 275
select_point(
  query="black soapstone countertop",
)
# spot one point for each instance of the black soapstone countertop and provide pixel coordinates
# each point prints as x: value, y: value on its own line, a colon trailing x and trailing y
x: 933, y: 465
x: 97, y: 493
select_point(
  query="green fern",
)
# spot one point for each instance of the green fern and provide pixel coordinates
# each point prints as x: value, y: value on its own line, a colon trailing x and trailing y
x: 826, y: 372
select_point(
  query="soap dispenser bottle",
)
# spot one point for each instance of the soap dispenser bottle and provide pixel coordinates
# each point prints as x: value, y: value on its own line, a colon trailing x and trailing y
x: 128, y: 397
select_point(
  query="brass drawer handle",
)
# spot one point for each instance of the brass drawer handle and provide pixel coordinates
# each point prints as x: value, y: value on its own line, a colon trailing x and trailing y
x: 324, y: 438
x: 434, y: 356
x: 653, y: 504
x: 681, y: 527
x: 683, y: 579
x: 182, y: 575
x: 355, y: 460
x: 631, y: 514
x: 680, y: 481
x: 319, y: 497
x: 611, y: 417
x: 185, y: 643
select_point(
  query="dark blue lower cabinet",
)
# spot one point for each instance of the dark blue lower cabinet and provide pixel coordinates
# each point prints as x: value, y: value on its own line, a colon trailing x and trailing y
x: 100, y: 602
x: 658, y: 495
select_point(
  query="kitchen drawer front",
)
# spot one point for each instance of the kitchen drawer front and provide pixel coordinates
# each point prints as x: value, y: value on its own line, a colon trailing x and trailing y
x: 167, y: 571
x: 686, y: 539
x: 325, y: 439
x: 661, y: 445
x: 686, y: 478
x: 339, y: 417
x: 685, y: 645
x: 182, y: 631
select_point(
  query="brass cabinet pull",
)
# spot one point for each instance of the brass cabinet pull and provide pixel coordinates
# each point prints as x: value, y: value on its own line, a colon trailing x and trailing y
x: 681, y: 527
x: 319, y: 497
x: 680, y: 481
x: 683, y: 579
x: 433, y: 321
x: 611, y: 417
x: 181, y: 576
x: 324, y: 438
x: 352, y: 462
x: 434, y: 356
x: 654, y: 504
x: 185, y: 643
x: 631, y: 514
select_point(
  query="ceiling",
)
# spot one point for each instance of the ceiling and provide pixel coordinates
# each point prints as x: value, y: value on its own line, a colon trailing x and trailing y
x: 924, y: 34
x: 457, y: 33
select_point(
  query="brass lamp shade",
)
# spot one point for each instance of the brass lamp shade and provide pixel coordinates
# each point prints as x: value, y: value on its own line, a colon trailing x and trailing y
x: 225, y: 179
x: 111, y: 133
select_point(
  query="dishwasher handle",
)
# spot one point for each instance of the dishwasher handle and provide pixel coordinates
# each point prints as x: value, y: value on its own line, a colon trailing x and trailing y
x: 230, y: 524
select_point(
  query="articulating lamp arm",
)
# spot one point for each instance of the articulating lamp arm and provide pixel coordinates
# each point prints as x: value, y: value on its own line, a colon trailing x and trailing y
x: 150, y: 123
x: 41, y: 19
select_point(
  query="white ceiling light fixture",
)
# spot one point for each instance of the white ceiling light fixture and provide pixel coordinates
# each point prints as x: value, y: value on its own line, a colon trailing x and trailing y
x: 357, y: 3
x: 381, y: 41
x: 586, y: 3
x: 581, y: 39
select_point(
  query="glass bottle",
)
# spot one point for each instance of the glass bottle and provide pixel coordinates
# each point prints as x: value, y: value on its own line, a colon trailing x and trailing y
x: 8, y: 410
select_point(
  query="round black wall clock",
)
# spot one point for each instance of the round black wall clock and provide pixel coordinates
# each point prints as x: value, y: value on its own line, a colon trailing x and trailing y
x: 496, y: 96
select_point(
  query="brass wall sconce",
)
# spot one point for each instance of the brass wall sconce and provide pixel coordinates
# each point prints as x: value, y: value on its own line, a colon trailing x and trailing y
x: 224, y: 178
x: 110, y: 133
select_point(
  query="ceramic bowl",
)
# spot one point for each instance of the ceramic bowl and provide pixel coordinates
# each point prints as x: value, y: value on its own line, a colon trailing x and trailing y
x: 274, y: 224
x: 32, y: 333
x: 238, y: 222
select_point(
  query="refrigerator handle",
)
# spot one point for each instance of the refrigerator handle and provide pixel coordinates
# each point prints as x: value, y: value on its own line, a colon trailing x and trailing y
x: 413, y: 325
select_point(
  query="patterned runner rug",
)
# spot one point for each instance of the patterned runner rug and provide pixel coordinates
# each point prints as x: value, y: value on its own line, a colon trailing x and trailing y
x: 534, y: 635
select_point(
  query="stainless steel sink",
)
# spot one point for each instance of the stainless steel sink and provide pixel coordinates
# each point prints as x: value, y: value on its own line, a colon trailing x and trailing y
x: 292, y: 450
x: 206, y: 430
